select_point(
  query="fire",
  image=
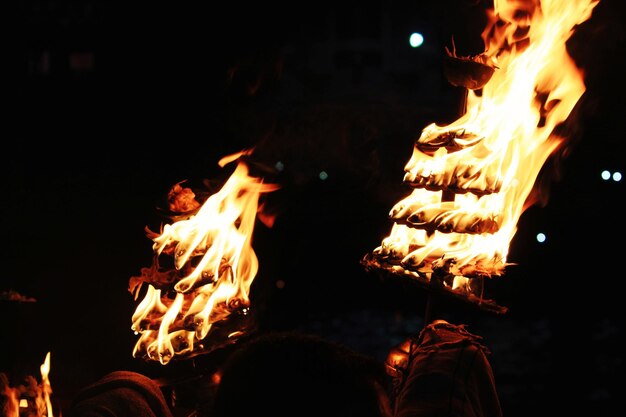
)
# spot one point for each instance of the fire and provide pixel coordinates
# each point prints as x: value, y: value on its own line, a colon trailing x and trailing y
x: 46, y: 388
x: 30, y: 398
x: 213, y: 267
x: 473, y: 178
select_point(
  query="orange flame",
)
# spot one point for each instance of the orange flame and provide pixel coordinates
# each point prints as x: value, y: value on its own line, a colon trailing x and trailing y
x: 214, y: 266
x: 472, y: 179
x: 10, y: 398
x: 32, y: 398
x: 46, y: 388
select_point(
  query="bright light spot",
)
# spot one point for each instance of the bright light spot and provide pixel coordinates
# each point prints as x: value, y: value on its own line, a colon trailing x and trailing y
x: 323, y: 175
x: 280, y: 284
x: 23, y: 403
x: 279, y: 166
x: 617, y: 176
x: 541, y: 237
x: 416, y: 39
x: 606, y: 175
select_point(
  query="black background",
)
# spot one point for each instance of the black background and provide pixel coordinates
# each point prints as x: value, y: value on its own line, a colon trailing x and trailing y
x: 165, y: 91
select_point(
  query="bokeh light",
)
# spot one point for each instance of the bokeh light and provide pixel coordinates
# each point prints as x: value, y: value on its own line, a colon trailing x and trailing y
x: 416, y: 39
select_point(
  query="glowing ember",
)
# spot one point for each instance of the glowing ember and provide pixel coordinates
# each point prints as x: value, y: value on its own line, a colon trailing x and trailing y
x: 473, y: 179
x: 29, y: 398
x: 206, y: 291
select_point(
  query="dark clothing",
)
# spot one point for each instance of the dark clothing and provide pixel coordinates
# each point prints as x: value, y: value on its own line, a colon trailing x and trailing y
x: 444, y: 372
x: 284, y: 374
x: 121, y: 394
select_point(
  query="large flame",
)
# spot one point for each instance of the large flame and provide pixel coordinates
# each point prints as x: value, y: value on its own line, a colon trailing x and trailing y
x: 213, y: 267
x: 472, y: 179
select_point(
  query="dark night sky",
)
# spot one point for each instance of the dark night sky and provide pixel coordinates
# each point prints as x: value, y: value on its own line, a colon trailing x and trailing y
x: 171, y: 89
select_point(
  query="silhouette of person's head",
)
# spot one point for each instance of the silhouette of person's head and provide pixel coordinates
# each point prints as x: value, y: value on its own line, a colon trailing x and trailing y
x: 295, y: 374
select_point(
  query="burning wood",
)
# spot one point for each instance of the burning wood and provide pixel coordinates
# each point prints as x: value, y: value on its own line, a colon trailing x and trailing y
x: 444, y: 216
x: 472, y: 179
x: 437, y: 163
x: 205, y: 291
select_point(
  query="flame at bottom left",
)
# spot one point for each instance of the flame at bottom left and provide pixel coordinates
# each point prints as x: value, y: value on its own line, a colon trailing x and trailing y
x: 28, y: 397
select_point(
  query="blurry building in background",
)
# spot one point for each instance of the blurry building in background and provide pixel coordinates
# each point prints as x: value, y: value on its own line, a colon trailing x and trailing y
x: 330, y: 48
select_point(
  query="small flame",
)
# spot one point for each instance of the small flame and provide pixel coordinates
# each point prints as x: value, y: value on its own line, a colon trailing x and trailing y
x: 46, y: 387
x: 11, y: 398
x: 213, y: 267
x: 16, y: 399
x: 472, y: 179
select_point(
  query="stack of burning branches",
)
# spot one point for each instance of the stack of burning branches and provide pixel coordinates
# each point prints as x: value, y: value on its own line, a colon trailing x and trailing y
x: 197, y: 288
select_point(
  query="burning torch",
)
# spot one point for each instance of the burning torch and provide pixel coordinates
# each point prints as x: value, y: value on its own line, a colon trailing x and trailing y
x: 471, y: 180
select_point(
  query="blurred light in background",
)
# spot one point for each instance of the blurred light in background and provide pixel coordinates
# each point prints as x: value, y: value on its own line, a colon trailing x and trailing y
x: 416, y: 39
x: 323, y: 175
x: 617, y: 176
x: 541, y: 237
x: 606, y: 175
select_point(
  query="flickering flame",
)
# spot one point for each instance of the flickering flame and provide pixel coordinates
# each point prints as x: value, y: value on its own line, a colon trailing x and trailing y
x: 10, y: 398
x: 31, y: 398
x: 473, y: 178
x: 213, y: 267
x: 46, y: 388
